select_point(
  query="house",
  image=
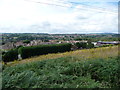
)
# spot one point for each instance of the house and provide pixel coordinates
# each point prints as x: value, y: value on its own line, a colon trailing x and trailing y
x: 20, y: 43
x: 100, y: 43
x: 95, y: 43
x: 8, y: 46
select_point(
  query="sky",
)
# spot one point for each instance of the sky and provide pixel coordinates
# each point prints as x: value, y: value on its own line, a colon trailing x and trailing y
x: 58, y: 16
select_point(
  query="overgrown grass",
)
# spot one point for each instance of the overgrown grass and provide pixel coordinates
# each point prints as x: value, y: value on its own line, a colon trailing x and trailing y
x: 86, y: 54
x: 91, y: 68
x: 65, y: 72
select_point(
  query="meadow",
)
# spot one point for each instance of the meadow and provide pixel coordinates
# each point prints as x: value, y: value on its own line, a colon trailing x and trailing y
x: 85, y: 54
x: 88, y: 68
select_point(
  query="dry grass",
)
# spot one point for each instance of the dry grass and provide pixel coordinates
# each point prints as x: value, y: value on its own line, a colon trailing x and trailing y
x: 86, y: 54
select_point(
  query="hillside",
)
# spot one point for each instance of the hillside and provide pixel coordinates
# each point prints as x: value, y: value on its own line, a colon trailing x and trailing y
x: 103, y: 52
x: 91, y: 68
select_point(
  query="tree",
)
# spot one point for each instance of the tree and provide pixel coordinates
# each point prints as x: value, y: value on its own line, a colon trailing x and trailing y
x: 26, y: 41
x: 81, y: 45
x: 46, y: 40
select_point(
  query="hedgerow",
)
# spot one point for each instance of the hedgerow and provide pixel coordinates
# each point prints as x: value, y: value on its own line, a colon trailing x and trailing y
x: 10, y: 55
x: 84, y: 45
x: 30, y: 51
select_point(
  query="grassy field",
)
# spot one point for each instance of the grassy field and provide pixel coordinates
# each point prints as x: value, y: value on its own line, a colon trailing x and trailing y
x: 103, y: 52
x: 91, y: 68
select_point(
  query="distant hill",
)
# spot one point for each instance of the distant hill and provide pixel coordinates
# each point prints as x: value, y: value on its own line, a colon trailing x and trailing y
x: 103, y: 33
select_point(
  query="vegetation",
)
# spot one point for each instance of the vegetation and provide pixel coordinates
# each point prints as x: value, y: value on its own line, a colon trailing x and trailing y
x: 107, y: 45
x: 100, y: 37
x: 10, y: 55
x: 84, y: 45
x: 88, y: 68
x: 26, y: 52
x: 26, y: 41
x: 30, y: 51
x: 15, y: 37
x: 85, y: 54
x: 81, y: 45
x: 65, y: 72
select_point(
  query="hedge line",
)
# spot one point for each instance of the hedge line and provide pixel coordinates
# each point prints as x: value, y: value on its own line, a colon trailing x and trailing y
x: 11, y: 55
x: 85, y: 45
x: 26, y: 52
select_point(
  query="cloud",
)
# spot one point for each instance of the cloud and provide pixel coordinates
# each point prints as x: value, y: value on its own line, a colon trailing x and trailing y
x: 27, y: 16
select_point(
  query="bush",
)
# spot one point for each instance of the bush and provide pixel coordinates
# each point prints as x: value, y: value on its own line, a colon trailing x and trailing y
x: 107, y: 45
x: 85, y: 45
x: 90, y: 45
x: 81, y: 45
x: 26, y: 41
x: 43, y: 49
x: 3, y: 52
x: 11, y: 55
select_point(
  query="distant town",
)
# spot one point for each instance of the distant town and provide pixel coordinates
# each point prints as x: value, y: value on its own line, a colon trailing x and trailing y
x: 13, y: 40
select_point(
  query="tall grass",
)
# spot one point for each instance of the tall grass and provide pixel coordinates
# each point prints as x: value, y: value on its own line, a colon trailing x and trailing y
x: 65, y: 72
x: 103, y: 52
x: 89, y: 68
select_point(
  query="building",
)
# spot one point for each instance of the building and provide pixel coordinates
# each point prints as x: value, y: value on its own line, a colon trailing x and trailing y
x: 100, y: 43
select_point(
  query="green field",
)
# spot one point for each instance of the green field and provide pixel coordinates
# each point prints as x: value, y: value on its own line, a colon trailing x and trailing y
x: 91, y: 68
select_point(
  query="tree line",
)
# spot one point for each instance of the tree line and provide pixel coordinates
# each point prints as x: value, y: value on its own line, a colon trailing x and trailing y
x: 26, y: 52
x: 29, y: 51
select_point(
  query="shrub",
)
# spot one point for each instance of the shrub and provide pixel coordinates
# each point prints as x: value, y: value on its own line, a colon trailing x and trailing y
x: 90, y: 45
x: 11, y: 55
x: 43, y: 49
x: 107, y: 45
x: 3, y: 52
x: 26, y: 41
x: 85, y: 45
x: 81, y: 45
